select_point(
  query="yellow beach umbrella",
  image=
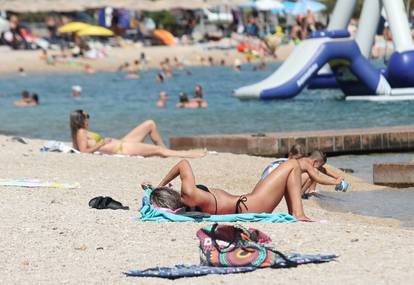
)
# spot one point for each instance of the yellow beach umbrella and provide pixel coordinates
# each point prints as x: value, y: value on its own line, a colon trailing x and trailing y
x: 95, y: 31
x: 73, y: 27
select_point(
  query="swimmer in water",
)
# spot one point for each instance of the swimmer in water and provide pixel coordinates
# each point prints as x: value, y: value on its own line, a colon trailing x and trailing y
x: 162, y: 101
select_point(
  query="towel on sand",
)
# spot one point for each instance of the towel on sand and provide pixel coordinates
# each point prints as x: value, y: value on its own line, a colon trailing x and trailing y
x: 228, y: 249
x: 56, y: 146
x: 35, y: 183
x: 179, y: 271
x: 149, y: 213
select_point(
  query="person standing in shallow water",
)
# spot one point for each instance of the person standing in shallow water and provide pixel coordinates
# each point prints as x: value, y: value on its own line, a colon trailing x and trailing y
x: 132, y: 144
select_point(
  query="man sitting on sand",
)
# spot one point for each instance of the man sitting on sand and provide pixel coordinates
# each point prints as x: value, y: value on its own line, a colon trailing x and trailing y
x: 131, y: 144
x: 285, y: 181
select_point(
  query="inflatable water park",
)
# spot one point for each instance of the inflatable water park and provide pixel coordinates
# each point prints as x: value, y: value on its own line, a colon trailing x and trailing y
x: 332, y: 59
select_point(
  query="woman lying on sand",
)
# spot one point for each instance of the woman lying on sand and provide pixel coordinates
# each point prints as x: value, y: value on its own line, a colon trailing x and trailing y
x: 284, y: 181
x: 132, y: 144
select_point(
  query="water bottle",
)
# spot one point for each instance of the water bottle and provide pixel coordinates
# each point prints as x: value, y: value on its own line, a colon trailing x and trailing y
x: 343, y: 186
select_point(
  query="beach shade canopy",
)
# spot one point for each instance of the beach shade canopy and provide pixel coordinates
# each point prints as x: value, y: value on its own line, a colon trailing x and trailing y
x: 24, y: 6
x: 95, y: 31
x: 160, y: 5
x: 73, y: 27
x: 165, y: 37
x: 262, y: 5
x: 287, y: 7
x: 303, y: 6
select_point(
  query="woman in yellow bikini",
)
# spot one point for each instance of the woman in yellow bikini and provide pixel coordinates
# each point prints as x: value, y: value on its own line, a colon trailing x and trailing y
x: 131, y: 144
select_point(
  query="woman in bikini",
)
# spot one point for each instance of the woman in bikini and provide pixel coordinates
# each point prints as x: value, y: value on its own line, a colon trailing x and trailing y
x: 285, y: 181
x: 131, y: 144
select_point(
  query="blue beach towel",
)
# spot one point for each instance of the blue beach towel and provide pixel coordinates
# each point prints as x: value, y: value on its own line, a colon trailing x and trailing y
x: 181, y: 270
x: 149, y: 213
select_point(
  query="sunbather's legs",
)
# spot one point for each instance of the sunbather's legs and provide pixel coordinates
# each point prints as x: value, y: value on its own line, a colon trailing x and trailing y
x: 292, y: 195
x: 146, y: 150
x: 283, y: 181
x: 139, y: 133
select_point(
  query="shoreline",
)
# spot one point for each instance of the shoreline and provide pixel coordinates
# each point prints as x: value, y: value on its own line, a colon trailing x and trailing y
x: 188, y: 55
x: 52, y: 234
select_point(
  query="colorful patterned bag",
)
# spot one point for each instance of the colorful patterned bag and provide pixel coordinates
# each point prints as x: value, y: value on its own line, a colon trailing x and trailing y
x: 227, y: 245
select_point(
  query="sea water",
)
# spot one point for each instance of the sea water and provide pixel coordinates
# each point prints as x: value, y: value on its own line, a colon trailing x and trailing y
x: 117, y: 104
x: 388, y: 203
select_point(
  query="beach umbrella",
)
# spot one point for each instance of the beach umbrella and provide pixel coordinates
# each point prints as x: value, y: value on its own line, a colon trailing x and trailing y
x: 262, y: 5
x: 287, y: 7
x: 95, y: 31
x: 73, y: 27
x: 303, y: 6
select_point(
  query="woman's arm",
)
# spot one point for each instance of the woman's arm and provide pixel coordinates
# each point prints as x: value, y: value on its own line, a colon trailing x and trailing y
x: 183, y: 169
x: 82, y: 142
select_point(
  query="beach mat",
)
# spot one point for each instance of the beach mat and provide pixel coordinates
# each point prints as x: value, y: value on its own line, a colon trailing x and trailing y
x: 149, y: 213
x: 179, y: 271
x: 35, y: 183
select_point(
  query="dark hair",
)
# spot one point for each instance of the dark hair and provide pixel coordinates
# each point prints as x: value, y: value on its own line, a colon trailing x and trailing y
x: 160, y: 77
x: 297, y: 151
x: 77, y: 121
x: 165, y: 197
x: 198, y: 93
x: 183, y: 98
x: 318, y: 156
x: 25, y: 94
x: 35, y: 98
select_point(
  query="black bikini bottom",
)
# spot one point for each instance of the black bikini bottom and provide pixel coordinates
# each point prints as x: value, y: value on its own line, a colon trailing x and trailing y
x: 241, y: 201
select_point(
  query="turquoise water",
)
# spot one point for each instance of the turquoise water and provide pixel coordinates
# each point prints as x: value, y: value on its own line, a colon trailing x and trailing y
x: 117, y: 104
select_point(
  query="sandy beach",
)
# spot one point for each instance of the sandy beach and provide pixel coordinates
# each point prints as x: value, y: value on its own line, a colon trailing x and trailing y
x: 51, y: 236
x: 12, y: 60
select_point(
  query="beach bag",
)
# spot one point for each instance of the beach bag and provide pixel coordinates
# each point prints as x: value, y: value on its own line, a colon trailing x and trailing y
x: 233, y: 246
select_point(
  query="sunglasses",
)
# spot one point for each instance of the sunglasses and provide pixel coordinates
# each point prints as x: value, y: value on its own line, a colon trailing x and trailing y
x: 86, y: 116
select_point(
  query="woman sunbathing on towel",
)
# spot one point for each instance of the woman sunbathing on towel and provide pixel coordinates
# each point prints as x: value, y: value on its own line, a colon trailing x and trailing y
x: 284, y: 181
x: 131, y: 144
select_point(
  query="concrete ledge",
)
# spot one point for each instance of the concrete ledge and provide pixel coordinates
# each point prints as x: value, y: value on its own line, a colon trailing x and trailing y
x: 364, y: 140
x: 394, y: 174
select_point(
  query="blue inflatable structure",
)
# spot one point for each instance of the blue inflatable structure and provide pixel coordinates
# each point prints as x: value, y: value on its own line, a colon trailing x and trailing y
x: 332, y: 59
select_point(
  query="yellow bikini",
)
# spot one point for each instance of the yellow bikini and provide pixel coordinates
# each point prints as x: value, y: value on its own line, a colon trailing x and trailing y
x: 97, y: 138
x: 119, y: 149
